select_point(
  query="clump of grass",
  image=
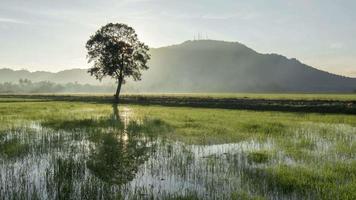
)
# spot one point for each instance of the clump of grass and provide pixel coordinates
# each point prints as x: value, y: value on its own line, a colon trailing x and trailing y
x: 13, y: 148
x: 298, y: 154
x: 258, y: 157
x: 298, y: 149
x: 242, y: 195
x: 291, y: 179
x: 346, y: 149
x: 191, y: 123
x: 148, y: 126
x: 330, y: 181
x: 85, y: 123
x: 268, y: 128
x: 189, y: 196
x: 305, y: 143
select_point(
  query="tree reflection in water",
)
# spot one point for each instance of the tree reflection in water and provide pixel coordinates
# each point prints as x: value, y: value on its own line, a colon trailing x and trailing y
x: 119, y: 153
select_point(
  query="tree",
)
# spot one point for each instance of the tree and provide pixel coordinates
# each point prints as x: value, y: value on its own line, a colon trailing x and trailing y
x: 116, y: 52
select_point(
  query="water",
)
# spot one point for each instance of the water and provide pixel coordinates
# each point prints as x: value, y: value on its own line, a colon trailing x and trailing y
x: 115, y: 159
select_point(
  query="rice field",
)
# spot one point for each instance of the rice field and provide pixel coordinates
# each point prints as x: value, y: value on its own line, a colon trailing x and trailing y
x: 83, y: 150
x: 286, y: 96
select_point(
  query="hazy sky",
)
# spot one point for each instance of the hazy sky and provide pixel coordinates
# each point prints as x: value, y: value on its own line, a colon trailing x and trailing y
x: 51, y: 35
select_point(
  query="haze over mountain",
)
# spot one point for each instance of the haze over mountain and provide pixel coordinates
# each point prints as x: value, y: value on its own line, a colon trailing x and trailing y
x: 212, y: 66
x: 66, y: 76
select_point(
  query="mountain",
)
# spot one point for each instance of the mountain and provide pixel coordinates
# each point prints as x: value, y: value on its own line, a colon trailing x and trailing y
x: 66, y: 76
x: 211, y: 66
x: 216, y: 66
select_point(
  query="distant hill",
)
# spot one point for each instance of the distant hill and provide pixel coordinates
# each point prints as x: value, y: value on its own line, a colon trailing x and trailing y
x: 213, y: 66
x: 66, y: 76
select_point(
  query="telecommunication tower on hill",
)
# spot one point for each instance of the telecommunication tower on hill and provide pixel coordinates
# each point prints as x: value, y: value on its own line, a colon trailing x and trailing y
x: 200, y: 36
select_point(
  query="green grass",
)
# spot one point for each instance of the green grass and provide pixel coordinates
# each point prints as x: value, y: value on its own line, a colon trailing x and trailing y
x: 245, y: 196
x: 302, y: 103
x: 310, y: 153
x: 258, y: 157
x: 13, y: 148
x: 291, y: 96
x: 337, y: 177
x: 216, y: 125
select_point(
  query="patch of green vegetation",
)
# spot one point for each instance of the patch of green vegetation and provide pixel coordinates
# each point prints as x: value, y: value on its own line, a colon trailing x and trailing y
x: 193, y: 126
x: 346, y: 149
x: 13, y: 148
x: 290, y: 96
x: 258, y: 157
x: 268, y: 128
x: 242, y: 195
x: 329, y: 181
x: 299, y: 154
x: 151, y: 127
x: 90, y: 123
x: 19, y: 100
x: 299, y: 149
x: 305, y: 144
x: 189, y: 196
x: 270, y: 102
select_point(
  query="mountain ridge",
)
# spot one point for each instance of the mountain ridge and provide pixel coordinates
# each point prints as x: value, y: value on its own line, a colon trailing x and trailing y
x: 212, y: 66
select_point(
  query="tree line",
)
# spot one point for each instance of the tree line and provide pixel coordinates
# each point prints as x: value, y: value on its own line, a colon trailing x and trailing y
x: 27, y: 86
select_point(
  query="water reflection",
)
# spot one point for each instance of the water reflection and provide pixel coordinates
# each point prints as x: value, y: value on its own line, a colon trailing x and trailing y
x: 72, y: 158
x: 118, y: 155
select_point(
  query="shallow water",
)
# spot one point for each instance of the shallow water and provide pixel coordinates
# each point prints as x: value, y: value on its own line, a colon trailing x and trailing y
x: 114, y: 161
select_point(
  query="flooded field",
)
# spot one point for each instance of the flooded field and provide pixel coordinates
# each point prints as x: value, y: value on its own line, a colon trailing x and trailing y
x: 63, y: 150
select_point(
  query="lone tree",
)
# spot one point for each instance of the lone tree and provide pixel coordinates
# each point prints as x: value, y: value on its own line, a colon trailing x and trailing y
x: 116, y: 52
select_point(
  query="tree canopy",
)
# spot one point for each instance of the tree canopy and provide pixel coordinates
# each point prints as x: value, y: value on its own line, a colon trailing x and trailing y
x: 116, y: 51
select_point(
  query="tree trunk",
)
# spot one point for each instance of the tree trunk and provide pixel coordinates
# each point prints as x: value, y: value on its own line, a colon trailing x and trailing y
x: 118, y: 89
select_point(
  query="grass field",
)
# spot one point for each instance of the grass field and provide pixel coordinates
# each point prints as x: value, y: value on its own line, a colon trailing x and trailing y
x: 61, y: 149
x: 317, y: 103
x: 293, y: 96
x: 289, y: 96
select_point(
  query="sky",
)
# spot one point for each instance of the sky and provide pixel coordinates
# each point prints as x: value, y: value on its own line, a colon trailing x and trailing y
x: 50, y: 35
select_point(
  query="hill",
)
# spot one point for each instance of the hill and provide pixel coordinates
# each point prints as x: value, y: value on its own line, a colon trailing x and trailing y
x: 213, y: 66
x: 66, y: 76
